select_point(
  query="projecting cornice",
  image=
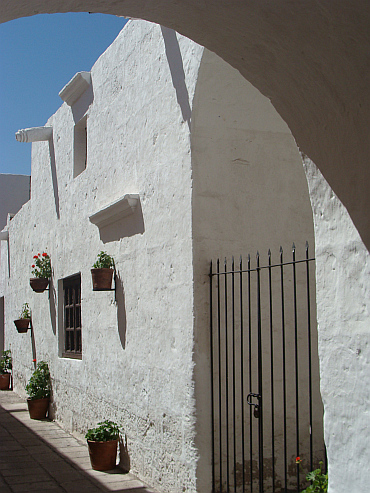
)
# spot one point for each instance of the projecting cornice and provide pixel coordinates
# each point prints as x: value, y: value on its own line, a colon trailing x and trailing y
x: 115, y: 211
x: 72, y: 91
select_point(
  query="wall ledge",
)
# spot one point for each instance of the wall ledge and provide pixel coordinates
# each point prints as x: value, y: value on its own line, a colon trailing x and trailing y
x: 117, y: 210
x: 75, y: 87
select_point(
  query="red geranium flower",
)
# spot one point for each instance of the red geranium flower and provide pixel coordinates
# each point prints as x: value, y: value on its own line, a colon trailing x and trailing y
x: 34, y: 360
x: 298, y: 460
x: 44, y: 254
x: 35, y: 256
x: 33, y: 266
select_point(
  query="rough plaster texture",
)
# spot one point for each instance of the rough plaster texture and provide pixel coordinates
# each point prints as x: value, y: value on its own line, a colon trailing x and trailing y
x: 343, y: 288
x: 249, y: 193
x: 137, y: 365
x: 149, y: 353
x: 309, y: 57
x: 14, y: 192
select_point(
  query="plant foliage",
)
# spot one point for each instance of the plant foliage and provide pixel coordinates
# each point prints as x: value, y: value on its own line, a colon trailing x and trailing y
x: 104, y: 261
x: 104, y: 432
x: 319, y: 481
x: 39, y: 385
x: 25, y: 313
x: 42, y: 266
x: 5, y: 362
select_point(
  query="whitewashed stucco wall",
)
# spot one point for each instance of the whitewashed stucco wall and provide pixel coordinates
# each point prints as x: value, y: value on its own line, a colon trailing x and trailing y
x: 14, y: 192
x: 137, y: 357
x: 343, y: 294
x: 137, y: 364
x: 250, y: 194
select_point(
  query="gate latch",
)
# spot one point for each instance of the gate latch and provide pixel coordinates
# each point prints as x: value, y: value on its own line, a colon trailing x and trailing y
x: 256, y: 410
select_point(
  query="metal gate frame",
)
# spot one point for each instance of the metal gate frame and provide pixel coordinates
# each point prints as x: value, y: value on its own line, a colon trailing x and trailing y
x: 232, y: 307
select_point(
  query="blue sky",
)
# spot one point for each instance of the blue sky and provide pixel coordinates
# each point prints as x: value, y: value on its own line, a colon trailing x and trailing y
x: 38, y: 56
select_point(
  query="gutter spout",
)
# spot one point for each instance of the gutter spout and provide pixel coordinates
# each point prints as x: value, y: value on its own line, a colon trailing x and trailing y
x: 34, y: 134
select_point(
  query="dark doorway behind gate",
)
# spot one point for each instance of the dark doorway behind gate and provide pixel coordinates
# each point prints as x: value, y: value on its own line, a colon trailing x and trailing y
x: 266, y: 404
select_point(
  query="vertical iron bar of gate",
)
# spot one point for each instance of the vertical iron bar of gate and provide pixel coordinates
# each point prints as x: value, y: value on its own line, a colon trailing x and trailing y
x: 260, y: 418
x: 212, y: 377
x: 296, y: 360
x: 250, y: 373
x: 272, y: 378
x: 309, y: 352
x: 284, y: 370
x: 227, y: 385
x: 219, y: 369
x: 234, y: 355
x: 242, y: 365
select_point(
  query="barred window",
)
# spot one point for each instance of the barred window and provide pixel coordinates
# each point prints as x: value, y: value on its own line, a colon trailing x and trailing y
x: 72, y: 316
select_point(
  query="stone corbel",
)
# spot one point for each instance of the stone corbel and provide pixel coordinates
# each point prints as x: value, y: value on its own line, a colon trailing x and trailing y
x: 76, y: 87
x: 35, y: 134
x: 117, y: 210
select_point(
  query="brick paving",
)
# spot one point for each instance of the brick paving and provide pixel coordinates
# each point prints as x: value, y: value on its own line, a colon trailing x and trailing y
x: 38, y: 456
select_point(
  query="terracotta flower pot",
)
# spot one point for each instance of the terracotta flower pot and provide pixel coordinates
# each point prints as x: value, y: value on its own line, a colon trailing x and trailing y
x: 103, y: 455
x: 22, y: 324
x: 39, y: 284
x: 102, y: 279
x: 5, y: 381
x: 38, y: 407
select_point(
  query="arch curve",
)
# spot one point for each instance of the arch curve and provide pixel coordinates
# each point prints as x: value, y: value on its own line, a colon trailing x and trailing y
x: 309, y: 58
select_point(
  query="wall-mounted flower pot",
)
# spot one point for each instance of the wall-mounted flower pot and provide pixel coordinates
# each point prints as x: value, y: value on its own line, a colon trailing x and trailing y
x: 22, y: 324
x: 102, y: 279
x: 38, y: 407
x: 39, y: 284
x: 5, y: 381
x: 103, y: 455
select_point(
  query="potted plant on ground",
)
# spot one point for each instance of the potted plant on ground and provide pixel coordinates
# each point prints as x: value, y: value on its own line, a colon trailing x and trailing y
x: 102, y: 272
x: 23, y: 322
x: 5, y: 369
x: 38, y: 389
x: 102, y: 442
x: 41, y: 269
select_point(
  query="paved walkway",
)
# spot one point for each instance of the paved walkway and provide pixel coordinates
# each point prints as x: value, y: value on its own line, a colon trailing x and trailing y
x: 38, y: 456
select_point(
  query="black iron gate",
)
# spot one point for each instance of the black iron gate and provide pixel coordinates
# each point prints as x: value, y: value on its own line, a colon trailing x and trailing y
x: 266, y: 405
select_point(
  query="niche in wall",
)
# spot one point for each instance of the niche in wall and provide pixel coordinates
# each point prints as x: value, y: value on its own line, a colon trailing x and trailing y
x: 80, y: 147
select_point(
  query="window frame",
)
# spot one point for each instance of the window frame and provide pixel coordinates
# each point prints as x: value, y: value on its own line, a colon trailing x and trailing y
x: 73, y: 305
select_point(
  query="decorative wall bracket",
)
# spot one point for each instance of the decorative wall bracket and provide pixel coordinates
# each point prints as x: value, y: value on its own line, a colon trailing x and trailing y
x: 117, y: 210
x: 75, y: 87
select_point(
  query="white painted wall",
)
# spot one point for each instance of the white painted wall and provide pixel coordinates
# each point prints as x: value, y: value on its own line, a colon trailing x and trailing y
x: 137, y: 365
x: 138, y: 360
x: 249, y: 194
x: 14, y: 192
x: 343, y: 288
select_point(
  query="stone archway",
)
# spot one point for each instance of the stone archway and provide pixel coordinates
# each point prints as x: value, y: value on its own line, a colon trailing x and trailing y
x: 309, y: 58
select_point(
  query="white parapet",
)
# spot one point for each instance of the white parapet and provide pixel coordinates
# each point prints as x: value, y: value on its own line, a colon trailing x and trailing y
x: 34, y: 134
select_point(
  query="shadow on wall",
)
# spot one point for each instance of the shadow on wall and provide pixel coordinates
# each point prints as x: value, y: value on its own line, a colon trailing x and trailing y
x: 174, y: 58
x: 80, y: 107
x: 54, y: 175
x: 121, y: 310
x: 33, y: 344
x: 124, y: 458
x: 125, y: 227
x: 52, y: 306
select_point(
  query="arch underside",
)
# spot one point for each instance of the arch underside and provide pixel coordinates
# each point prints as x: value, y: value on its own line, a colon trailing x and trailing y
x: 309, y: 58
